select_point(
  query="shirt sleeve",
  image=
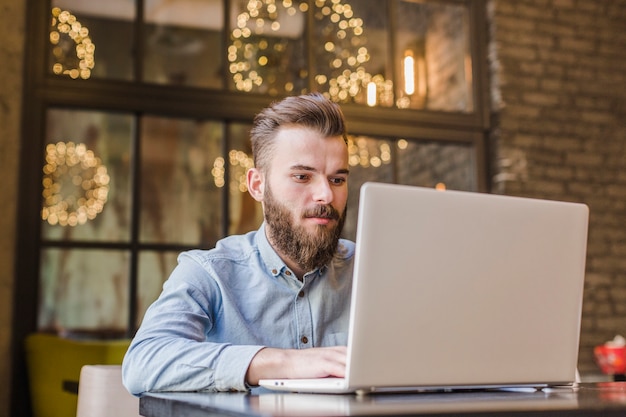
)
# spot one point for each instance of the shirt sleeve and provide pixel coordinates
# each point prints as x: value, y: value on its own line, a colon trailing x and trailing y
x: 170, y: 352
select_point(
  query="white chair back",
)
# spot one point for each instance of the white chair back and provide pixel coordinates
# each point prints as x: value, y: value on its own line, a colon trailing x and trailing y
x: 101, y: 393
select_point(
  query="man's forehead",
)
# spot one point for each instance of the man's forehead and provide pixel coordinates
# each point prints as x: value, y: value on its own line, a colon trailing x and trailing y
x: 292, y: 130
x: 335, y: 162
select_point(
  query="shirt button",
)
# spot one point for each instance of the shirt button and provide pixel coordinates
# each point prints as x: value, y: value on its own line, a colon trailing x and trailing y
x: 301, y: 294
x: 274, y: 271
x: 288, y: 273
x: 304, y: 340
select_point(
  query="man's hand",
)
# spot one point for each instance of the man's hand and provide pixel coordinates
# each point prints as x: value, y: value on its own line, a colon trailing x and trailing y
x: 271, y: 363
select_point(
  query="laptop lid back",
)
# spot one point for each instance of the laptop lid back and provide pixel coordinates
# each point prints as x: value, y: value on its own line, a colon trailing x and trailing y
x: 460, y: 289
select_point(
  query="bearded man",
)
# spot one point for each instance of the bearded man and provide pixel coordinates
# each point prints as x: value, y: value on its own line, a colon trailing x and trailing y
x: 273, y: 303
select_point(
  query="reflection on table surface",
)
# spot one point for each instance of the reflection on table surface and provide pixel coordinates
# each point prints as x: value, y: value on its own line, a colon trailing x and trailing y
x: 593, y: 397
x: 304, y: 404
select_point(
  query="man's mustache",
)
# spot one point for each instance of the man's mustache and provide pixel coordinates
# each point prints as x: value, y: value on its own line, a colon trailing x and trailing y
x: 324, y: 212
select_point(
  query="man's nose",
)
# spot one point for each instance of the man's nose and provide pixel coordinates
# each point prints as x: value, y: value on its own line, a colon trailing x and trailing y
x: 323, y: 192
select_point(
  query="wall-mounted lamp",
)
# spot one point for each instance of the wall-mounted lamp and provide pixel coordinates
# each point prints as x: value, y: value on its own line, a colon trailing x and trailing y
x: 409, y: 73
x: 414, y: 77
x: 372, y: 94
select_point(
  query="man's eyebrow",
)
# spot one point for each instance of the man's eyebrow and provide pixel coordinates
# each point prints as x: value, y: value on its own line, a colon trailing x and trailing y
x: 300, y: 167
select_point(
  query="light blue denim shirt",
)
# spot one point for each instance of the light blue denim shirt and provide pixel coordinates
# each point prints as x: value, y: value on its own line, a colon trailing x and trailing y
x: 221, y: 306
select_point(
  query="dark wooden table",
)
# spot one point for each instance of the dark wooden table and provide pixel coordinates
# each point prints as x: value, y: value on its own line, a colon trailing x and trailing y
x: 598, y: 399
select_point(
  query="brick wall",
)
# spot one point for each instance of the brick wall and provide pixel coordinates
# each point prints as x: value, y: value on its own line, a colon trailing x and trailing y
x: 559, y: 110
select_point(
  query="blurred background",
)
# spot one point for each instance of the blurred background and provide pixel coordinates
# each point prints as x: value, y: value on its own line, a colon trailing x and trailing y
x: 124, y: 136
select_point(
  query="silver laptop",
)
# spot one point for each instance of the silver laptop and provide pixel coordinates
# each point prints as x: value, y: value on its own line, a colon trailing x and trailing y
x: 461, y: 290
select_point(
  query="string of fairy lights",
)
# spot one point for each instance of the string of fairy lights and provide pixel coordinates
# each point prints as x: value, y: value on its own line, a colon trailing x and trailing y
x: 254, y: 46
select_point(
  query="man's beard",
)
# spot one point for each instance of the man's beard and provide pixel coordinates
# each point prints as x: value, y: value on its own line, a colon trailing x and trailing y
x: 309, y: 250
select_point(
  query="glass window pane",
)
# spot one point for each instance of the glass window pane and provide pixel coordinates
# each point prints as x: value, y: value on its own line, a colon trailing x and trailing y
x: 183, y: 42
x: 245, y: 212
x: 350, y: 50
x: 180, y: 203
x: 83, y: 290
x: 426, y: 164
x: 92, y: 38
x: 436, y: 164
x: 86, y: 176
x: 266, y: 51
x: 154, y: 269
x: 370, y: 159
x: 432, y: 56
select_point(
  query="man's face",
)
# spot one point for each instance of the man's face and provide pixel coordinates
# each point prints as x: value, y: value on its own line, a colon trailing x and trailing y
x: 305, y: 194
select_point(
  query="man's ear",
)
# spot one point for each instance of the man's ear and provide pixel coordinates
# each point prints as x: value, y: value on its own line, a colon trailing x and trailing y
x: 256, y: 183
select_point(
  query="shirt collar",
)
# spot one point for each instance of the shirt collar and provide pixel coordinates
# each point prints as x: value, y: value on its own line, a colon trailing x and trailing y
x: 274, y: 264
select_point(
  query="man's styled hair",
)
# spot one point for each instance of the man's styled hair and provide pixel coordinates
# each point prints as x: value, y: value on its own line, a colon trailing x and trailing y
x: 312, y: 111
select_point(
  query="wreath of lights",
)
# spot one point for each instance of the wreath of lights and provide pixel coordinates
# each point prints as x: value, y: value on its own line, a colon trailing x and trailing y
x: 75, y: 185
x: 63, y: 22
x: 344, y: 45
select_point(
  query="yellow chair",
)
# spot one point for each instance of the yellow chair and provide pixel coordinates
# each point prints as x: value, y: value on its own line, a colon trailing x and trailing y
x: 54, y: 364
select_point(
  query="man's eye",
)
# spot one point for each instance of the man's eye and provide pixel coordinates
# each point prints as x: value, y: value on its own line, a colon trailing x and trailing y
x: 300, y: 177
x: 337, y: 181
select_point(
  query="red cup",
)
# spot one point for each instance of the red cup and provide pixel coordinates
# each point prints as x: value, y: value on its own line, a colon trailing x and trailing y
x: 611, y: 359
